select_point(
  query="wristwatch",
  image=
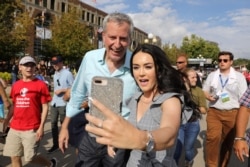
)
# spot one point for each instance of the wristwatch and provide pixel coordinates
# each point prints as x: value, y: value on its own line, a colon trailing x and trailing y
x: 150, y: 145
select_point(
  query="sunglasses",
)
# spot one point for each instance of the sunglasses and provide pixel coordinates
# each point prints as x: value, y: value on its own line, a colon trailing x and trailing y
x: 224, y: 60
x: 58, y: 82
x: 180, y: 62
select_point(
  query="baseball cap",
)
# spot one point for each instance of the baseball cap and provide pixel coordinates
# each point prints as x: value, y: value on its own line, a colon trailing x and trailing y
x: 27, y: 59
x: 56, y: 59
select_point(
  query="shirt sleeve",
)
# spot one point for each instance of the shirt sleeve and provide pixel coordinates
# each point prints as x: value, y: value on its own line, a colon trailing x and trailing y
x: 202, y: 99
x: 245, y: 99
x: 70, y: 79
x: 78, y: 92
x: 46, y: 97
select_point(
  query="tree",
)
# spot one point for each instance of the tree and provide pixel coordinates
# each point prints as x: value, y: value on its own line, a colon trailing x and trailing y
x: 70, y: 37
x: 242, y: 63
x: 13, y: 28
x: 7, y: 9
x: 195, y: 46
x: 23, y: 23
x: 172, y: 52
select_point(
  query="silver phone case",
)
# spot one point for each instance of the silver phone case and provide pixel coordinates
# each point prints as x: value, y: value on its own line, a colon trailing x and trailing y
x: 109, y: 91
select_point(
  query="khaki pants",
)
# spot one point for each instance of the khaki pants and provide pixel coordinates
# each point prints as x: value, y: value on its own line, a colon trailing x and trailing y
x: 220, y: 136
x: 19, y: 143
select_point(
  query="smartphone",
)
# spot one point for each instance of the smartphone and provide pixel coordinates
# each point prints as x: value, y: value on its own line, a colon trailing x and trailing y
x: 109, y: 91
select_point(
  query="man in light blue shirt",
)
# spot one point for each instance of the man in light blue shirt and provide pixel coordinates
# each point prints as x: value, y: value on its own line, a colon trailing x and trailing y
x: 111, y: 61
x: 92, y: 65
x: 63, y: 79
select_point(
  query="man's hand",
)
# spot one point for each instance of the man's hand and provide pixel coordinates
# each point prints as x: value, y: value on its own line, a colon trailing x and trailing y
x: 241, y: 149
x: 63, y: 139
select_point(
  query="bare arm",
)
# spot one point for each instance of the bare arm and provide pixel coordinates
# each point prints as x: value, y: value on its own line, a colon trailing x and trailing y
x: 4, y: 96
x: 203, y: 110
x: 4, y: 84
x: 8, y: 118
x: 66, y: 96
x: 64, y: 134
x: 40, y: 130
x: 164, y: 137
x: 119, y: 133
x: 240, y: 146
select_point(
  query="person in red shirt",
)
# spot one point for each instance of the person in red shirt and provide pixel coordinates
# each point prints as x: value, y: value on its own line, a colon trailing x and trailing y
x: 27, y: 116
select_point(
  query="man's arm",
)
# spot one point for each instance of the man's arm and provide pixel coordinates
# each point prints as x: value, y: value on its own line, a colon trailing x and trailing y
x: 63, y: 139
x: 4, y: 96
x: 8, y: 118
x: 240, y: 144
x: 73, y: 106
x: 44, y: 114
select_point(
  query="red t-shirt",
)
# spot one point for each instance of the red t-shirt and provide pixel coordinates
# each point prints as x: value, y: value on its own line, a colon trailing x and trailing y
x: 28, y: 98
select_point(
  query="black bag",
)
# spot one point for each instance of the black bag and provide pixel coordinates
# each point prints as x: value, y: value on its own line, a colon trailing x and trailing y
x: 151, y: 161
x: 189, y: 114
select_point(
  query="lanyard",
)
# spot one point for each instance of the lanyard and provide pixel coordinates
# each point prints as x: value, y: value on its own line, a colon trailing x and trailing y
x: 223, y: 84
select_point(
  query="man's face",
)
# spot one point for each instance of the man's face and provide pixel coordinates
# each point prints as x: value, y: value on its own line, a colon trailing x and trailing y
x: 225, y: 62
x: 116, y: 40
x: 181, y: 63
x: 28, y: 69
x: 58, y: 66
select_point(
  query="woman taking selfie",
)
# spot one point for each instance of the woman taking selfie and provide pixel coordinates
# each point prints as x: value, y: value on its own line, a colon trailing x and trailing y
x: 155, y: 117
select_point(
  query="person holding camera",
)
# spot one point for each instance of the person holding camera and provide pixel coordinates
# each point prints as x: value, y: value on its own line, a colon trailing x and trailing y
x: 223, y: 89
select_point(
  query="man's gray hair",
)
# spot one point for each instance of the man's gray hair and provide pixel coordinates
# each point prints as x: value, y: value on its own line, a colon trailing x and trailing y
x: 119, y: 18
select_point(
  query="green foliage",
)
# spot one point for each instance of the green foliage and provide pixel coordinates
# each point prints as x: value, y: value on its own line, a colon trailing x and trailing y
x: 13, y: 28
x: 242, y: 62
x: 70, y: 37
x: 5, y: 76
x: 195, y: 46
x: 172, y: 51
x: 23, y: 24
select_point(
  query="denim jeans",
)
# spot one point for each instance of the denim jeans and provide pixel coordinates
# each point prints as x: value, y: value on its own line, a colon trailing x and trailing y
x: 55, y: 113
x: 186, y: 137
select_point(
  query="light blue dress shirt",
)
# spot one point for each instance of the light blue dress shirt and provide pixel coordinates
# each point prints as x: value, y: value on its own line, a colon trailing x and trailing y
x: 62, y: 79
x: 92, y: 65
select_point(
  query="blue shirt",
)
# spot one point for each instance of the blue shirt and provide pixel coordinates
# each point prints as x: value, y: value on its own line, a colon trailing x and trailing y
x: 62, y: 79
x: 92, y: 65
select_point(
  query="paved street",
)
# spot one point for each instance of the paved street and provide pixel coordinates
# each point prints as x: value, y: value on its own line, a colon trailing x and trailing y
x: 68, y: 159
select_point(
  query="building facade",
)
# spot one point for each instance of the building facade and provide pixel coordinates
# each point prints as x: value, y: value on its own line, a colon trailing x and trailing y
x: 48, y: 9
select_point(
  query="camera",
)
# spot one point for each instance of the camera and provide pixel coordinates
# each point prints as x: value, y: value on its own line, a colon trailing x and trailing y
x: 213, y: 92
x: 215, y: 97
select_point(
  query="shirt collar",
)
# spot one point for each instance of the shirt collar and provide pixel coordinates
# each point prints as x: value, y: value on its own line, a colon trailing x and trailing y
x: 126, y: 64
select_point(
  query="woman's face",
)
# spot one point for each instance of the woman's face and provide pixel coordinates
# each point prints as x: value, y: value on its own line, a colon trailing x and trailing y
x: 144, y: 72
x: 192, y: 77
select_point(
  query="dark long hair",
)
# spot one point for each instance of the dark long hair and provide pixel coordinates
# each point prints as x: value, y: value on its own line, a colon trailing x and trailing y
x: 168, y: 78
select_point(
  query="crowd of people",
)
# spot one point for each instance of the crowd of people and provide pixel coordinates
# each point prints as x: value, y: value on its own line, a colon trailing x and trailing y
x: 160, y: 112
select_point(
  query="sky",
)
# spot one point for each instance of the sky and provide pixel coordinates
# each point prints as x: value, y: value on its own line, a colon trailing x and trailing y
x: 226, y: 22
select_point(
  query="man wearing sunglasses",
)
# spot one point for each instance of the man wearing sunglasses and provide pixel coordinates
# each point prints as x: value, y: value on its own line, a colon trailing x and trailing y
x: 63, y: 79
x: 223, y: 89
x: 182, y: 64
